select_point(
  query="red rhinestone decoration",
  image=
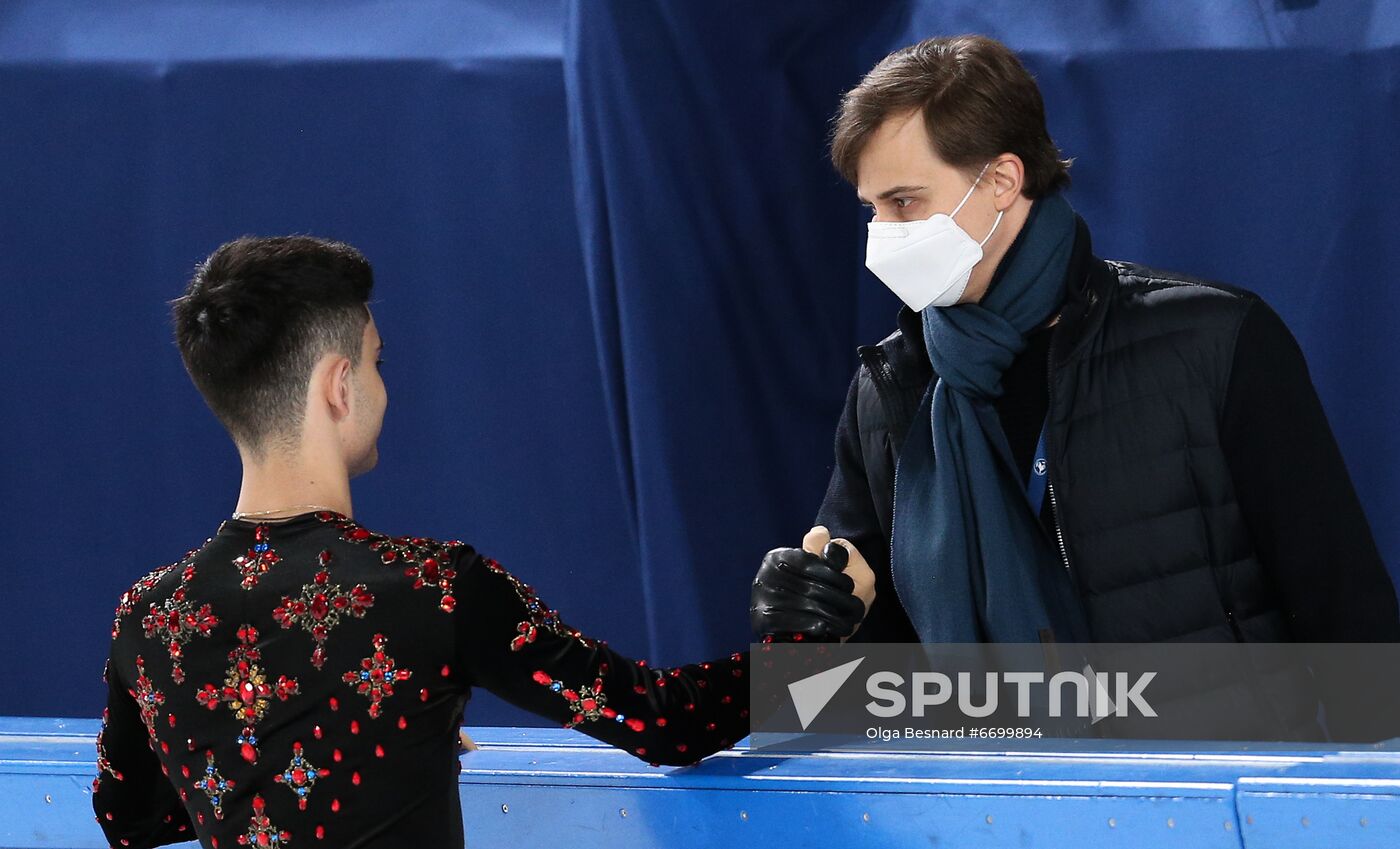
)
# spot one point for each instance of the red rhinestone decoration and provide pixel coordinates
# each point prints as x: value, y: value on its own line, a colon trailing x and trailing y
x: 132, y: 597
x: 213, y: 785
x: 320, y: 607
x: 246, y: 690
x: 376, y: 676
x: 426, y: 561
x: 436, y: 573
x: 176, y: 621
x: 103, y: 764
x: 261, y: 831
x: 587, y: 703
x: 541, y: 615
x: 300, y: 776
x: 147, y: 697
x: 260, y: 558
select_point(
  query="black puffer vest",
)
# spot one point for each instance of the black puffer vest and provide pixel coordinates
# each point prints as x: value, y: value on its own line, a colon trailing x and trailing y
x: 1146, y: 518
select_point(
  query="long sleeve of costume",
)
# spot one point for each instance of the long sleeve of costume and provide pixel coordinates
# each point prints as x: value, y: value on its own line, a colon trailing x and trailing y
x: 848, y: 511
x: 1304, y: 517
x: 134, y: 801
x: 301, y: 682
x: 514, y: 645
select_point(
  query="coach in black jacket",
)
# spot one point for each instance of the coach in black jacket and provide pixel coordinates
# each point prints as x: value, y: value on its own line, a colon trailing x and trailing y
x: 1195, y: 491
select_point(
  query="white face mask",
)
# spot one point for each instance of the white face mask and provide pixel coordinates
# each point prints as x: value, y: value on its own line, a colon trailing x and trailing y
x: 926, y: 263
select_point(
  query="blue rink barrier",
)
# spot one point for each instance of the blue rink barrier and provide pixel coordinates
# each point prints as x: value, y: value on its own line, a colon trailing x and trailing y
x: 550, y: 787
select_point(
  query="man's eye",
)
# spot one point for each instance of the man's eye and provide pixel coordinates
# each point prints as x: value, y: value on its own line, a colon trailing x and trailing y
x: 903, y: 202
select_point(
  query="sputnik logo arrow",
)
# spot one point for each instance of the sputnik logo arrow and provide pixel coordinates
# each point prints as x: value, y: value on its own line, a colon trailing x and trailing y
x: 811, y: 694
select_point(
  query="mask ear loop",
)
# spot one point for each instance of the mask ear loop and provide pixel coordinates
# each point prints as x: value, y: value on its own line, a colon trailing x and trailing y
x: 993, y: 230
x: 970, y: 190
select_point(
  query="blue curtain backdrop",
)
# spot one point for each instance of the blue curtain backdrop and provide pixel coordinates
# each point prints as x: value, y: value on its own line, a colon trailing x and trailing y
x: 1253, y: 143
x: 620, y: 287
x: 135, y: 138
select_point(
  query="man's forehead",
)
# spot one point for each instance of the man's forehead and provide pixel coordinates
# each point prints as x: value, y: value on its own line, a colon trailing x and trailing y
x: 897, y: 155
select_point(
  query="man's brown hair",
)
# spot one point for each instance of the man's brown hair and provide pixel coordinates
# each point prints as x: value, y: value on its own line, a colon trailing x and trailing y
x: 978, y: 102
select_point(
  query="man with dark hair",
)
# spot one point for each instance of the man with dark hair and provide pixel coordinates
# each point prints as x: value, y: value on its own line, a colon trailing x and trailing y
x: 257, y: 317
x: 300, y: 676
x: 1086, y: 450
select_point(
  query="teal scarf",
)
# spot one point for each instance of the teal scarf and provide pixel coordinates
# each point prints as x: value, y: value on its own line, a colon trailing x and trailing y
x: 969, y: 559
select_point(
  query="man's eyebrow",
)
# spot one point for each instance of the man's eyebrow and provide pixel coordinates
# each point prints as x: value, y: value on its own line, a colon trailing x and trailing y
x: 900, y: 190
x: 897, y: 190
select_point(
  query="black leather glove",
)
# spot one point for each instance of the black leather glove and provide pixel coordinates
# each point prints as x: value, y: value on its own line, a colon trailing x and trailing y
x: 799, y: 593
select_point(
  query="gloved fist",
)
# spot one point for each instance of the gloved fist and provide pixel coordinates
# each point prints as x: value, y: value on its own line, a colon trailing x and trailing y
x: 798, y: 592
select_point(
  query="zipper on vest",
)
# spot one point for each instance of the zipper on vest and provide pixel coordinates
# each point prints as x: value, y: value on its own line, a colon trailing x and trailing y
x: 894, y: 516
x: 1059, y: 531
x: 1234, y: 626
x: 887, y: 390
x: 1050, y: 467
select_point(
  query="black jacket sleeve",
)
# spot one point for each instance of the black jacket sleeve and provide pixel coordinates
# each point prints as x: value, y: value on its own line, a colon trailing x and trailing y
x: 848, y: 511
x: 1305, y: 520
x: 134, y: 801
x: 1303, y: 515
x: 516, y: 646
